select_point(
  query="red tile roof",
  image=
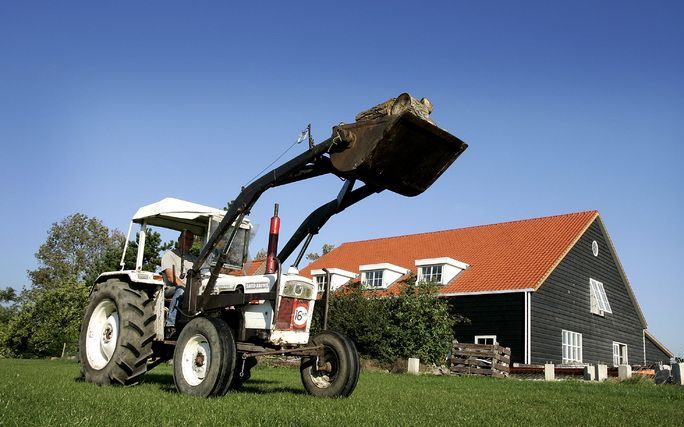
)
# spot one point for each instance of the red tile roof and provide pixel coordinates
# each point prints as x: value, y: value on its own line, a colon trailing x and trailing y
x: 256, y: 266
x: 502, y: 257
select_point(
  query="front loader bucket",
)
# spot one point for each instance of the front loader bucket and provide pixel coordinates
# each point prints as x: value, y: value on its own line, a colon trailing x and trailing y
x: 403, y: 153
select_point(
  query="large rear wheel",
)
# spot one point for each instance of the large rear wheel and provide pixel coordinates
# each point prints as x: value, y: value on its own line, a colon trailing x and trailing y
x: 336, y: 371
x: 204, y: 358
x: 116, y: 334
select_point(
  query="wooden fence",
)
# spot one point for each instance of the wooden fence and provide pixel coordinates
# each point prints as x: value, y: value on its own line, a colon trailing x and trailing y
x: 480, y: 359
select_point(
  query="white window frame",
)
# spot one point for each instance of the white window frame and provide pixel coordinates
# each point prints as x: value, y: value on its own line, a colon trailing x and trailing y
x: 373, y: 278
x: 620, y: 358
x: 484, y: 338
x: 593, y: 303
x: 600, y: 296
x: 571, y: 346
x: 430, y: 273
x: 321, y: 280
x: 595, y: 248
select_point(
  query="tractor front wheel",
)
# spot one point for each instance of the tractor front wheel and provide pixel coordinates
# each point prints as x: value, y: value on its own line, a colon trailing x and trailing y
x: 204, y: 358
x: 116, y: 334
x: 336, y: 371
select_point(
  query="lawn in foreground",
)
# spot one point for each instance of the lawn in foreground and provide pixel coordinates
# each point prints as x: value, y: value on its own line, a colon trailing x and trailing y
x: 42, y: 392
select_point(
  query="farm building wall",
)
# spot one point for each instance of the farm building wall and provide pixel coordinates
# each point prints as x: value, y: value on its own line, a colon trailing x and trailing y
x: 654, y: 354
x: 493, y: 314
x: 563, y: 302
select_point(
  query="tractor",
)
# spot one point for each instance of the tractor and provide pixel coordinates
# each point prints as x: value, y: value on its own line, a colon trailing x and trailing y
x: 228, y: 317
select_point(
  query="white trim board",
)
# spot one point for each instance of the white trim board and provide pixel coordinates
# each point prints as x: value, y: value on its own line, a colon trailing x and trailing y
x: 504, y: 291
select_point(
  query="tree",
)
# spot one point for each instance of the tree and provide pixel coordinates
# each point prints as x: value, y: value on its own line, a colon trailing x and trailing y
x: 260, y: 255
x: 49, y: 313
x: 8, y: 306
x: 151, y: 255
x: 42, y: 326
x: 313, y: 256
x: 7, y: 295
x: 76, y: 250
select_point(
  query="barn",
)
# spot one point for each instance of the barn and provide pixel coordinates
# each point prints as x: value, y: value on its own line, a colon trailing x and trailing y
x: 552, y: 289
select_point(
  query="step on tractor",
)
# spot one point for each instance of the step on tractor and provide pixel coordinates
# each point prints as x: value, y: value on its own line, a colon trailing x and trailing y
x: 225, y: 319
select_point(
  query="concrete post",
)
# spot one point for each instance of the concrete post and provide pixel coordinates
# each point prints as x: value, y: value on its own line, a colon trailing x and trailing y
x: 678, y: 373
x: 413, y: 365
x: 624, y: 372
x: 549, y: 372
x: 589, y: 372
x: 601, y: 372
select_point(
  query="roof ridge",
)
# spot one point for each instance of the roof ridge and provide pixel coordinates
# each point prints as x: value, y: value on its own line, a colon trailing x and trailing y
x: 594, y: 211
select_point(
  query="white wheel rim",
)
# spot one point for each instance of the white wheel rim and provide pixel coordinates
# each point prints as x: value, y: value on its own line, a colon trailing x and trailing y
x: 103, y: 334
x: 196, y: 359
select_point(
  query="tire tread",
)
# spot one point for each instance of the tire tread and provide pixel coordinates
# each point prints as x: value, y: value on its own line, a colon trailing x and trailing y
x: 136, y: 317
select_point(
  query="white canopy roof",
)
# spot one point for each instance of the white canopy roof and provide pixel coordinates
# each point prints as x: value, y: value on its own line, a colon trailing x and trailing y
x: 175, y: 208
x: 179, y: 215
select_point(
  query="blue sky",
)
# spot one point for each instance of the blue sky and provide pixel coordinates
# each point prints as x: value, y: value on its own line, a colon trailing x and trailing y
x: 566, y: 107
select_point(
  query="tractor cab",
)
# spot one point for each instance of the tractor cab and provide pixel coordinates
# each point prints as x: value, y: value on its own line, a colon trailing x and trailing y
x: 179, y: 215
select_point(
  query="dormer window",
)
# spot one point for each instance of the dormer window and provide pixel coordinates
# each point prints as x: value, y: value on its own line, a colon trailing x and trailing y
x: 439, y: 270
x: 380, y: 276
x: 338, y: 277
x: 430, y: 273
x: 372, y: 279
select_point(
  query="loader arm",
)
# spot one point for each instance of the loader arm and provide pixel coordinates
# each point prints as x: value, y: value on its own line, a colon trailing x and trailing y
x: 310, y: 164
x: 402, y: 153
x: 317, y: 219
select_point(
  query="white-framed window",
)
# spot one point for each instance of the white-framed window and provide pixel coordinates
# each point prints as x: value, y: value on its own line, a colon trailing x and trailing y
x: 620, y: 354
x: 572, y: 347
x: 321, y: 281
x: 485, y: 339
x: 598, y: 298
x: 430, y: 273
x: 594, y: 248
x: 593, y: 302
x: 372, y: 278
x: 440, y: 270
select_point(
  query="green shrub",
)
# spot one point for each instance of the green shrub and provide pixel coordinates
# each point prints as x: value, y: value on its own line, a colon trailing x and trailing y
x: 414, y: 323
x: 44, y: 323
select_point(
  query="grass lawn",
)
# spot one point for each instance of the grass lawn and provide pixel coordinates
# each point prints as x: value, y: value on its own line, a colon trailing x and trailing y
x: 42, y: 392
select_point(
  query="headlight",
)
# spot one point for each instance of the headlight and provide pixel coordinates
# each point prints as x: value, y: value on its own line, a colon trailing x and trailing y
x: 298, y: 289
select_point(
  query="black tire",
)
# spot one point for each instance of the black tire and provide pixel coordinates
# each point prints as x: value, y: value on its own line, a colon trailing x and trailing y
x: 204, y: 358
x: 116, y: 334
x: 334, y: 374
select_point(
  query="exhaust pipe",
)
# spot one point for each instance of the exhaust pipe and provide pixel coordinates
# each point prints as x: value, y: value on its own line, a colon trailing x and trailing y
x: 273, y: 233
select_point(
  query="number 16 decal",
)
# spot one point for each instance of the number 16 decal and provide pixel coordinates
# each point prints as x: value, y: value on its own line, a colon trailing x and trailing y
x: 301, y: 315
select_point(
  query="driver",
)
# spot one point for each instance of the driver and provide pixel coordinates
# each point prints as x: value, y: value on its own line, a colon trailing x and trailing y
x: 175, y: 264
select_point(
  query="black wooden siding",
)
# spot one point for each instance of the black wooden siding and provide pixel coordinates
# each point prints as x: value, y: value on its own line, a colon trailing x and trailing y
x: 495, y: 314
x: 655, y: 354
x: 562, y: 302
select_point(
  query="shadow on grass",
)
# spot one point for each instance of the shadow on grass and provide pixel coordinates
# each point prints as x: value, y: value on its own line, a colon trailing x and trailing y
x: 166, y: 384
x: 164, y: 381
x: 247, y: 388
